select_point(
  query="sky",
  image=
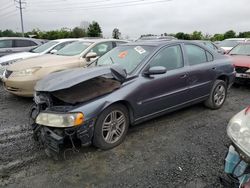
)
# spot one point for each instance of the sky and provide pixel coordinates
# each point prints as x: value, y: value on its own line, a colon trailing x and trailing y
x: 132, y: 17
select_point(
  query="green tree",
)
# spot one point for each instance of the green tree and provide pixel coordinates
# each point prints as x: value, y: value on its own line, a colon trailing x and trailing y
x: 244, y: 34
x: 229, y: 34
x: 94, y: 30
x: 196, y: 35
x: 182, y: 36
x: 218, y: 37
x: 78, y: 32
x: 116, y: 33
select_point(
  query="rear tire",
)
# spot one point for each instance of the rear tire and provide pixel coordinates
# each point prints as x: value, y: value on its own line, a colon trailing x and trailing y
x: 111, y: 127
x: 217, y: 95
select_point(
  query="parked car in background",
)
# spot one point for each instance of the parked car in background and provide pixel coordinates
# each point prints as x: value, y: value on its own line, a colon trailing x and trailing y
x: 156, y: 38
x: 237, y: 160
x: 21, y: 77
x: 9, y: 45
x: 228, y: 44
x: 130, y: 84
x: 48, y: 47
x: 211, y: 45
x: 240, y: 55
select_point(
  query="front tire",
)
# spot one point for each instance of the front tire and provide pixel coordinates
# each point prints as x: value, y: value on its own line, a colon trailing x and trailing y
x: 111, y: 127
x: 217, y: 96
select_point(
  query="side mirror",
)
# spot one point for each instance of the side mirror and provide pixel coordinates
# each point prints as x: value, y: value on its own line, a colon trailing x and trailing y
x: 156, y: 70
x: 90, y: 55
x: 53, y: 51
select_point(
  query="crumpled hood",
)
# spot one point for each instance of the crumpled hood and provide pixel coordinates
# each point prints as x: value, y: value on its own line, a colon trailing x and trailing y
x: 65, y: 79
x: 47, y: 60
x: 242, y: 61
x: 68, y: 78
x: 17, y: 56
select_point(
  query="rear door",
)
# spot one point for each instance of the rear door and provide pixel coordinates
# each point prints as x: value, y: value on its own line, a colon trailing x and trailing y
x: 158, y: 93
x: 6, y: 47
x: 201, y: 71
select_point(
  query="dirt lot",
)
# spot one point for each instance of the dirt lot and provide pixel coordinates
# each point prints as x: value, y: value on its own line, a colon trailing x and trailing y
x: 182, y: 149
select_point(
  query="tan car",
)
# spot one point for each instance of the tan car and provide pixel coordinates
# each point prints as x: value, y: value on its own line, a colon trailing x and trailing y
x: 20, y: 78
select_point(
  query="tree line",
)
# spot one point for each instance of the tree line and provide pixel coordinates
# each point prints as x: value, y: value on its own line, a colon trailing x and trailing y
x: 198, y: 35
x: 94, y: 30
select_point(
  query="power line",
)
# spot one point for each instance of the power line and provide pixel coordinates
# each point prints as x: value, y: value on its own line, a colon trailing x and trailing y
x: 113, y: 5
x: 6, y: 7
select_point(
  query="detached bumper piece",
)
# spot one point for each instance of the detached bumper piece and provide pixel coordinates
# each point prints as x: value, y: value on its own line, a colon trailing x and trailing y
x: 238, y: 170
x: 57, y: 140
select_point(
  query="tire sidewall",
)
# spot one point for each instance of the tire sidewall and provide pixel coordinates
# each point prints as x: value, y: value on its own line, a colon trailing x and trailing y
x: 98, y: 139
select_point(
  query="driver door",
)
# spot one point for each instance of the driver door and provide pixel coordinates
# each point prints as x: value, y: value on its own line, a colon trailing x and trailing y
x: 158, y: 93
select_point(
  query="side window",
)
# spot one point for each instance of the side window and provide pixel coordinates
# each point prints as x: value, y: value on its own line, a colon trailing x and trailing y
x: 102, y: 48
x: 209, y: 56
x: 5, y: 43
x: 170, y: 57
x: 60, y: 46
x: 24, y: 43
x: 195, y: 54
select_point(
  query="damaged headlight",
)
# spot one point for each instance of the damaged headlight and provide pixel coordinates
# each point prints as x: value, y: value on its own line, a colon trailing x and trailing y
x: 27, y: 72
x: 239, y: 130
x: 60, y: 120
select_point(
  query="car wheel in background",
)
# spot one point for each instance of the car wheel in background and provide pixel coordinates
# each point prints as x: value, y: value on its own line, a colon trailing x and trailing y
x: 111, y: 127
x: 217, y: 96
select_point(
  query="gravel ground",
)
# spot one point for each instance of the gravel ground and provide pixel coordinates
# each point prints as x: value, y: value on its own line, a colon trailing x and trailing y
x: 182, y: 149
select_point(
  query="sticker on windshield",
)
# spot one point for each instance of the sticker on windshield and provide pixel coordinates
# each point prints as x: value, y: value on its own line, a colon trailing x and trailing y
x: 139, y: 49
x: 123, y: 54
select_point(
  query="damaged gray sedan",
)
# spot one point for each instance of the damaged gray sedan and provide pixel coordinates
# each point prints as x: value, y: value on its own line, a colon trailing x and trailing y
x: 128, y: 85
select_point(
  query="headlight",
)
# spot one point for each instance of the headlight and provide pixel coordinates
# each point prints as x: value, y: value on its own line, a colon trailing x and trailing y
x: 27, y: 72
x: 6, y: 63
x: 60, y: 120
x: 248, y: 71
x: 239, y: 131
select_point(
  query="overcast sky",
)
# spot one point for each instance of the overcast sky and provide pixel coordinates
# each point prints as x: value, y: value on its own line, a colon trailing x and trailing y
x: 132, y: 17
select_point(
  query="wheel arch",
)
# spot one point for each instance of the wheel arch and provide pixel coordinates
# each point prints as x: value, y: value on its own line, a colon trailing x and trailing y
x: 127, y: 105
x: 224, y: 78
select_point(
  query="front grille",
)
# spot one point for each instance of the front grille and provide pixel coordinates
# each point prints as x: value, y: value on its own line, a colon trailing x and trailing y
x: 241, y: 69
x: 8, y: 73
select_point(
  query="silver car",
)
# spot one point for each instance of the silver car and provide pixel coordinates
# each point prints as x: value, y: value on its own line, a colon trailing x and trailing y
x: 10, y: 45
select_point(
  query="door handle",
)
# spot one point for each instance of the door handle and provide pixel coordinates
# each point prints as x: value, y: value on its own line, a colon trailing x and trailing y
x: 183, y: 76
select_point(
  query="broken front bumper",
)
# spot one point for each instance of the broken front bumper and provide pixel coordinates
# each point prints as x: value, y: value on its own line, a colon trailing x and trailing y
x: 235, y: 167
x: 57, y: 139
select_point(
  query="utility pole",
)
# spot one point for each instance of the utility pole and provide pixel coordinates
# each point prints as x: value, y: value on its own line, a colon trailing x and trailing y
x: 21, y: 13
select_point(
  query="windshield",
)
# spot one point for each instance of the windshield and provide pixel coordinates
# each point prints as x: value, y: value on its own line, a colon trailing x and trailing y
x: 241, y: 49
x: 44, y: 47
x: 74, y: 48
x: 228, y: 43
x: 128, y: 57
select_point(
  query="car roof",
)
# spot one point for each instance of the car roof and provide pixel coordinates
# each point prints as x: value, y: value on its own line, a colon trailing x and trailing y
x: 238, y: 39
x: 21, y: 38
x: 159, y: 42
x: 67, y: 39
x: 98, y: 40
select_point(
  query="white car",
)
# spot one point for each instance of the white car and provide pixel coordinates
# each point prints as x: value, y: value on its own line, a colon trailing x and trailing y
x: 49, y: 47
x: 228, y: 44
